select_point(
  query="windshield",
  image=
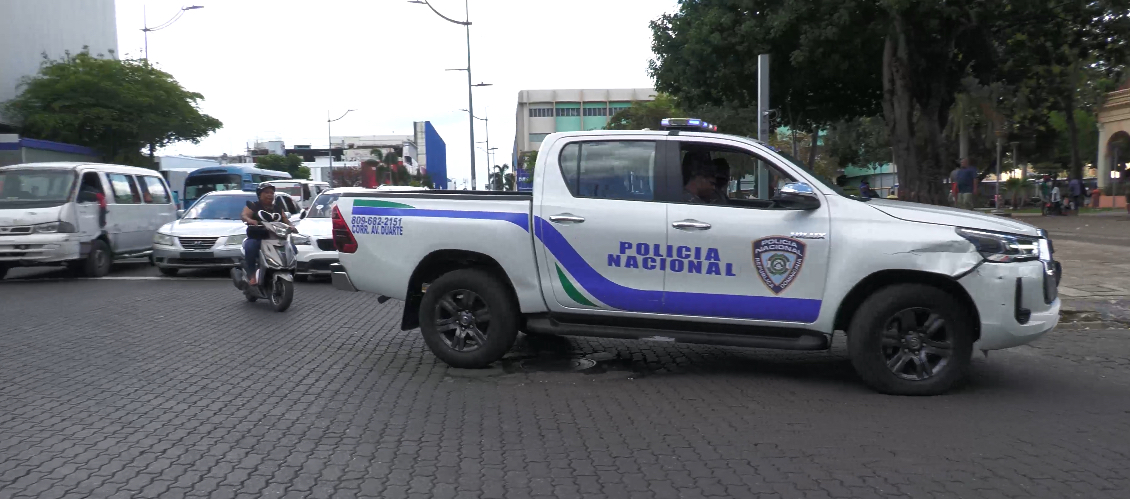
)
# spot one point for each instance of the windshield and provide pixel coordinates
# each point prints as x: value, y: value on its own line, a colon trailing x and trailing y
x: 323, y: 206
x: 294, y: 190
x: 199, y: 185
x: 35, y: 188
x: 219, y: 207
x: 826, y: 182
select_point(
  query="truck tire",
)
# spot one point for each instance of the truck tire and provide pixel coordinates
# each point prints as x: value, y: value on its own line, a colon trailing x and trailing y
x: 97, y: 263
x: 911, y: 339
x: 469, y: 318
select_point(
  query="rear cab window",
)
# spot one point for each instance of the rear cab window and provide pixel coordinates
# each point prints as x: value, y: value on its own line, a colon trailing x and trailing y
x: 610, y: 169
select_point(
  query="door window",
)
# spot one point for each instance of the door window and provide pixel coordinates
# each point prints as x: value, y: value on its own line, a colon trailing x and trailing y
x: 610, y: 170
x: 154, y: 190
x: 125, y: 191
x: 720, y: 175
x: 90, y: 187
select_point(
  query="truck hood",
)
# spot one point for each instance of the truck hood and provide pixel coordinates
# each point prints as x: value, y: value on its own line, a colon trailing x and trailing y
x: 204, y: 228
x: 942, y: 215
x: 29, y: 216
x: 316, y: 227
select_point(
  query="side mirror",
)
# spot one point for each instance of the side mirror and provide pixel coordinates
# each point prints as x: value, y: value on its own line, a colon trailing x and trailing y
x: 180, y: 214
x: 797, y: 196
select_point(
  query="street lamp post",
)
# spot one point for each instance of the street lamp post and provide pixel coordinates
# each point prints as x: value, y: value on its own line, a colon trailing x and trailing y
x: 146, y: 29
x: 486, y: 121
x: 330, y: 140
x: 470, y: 97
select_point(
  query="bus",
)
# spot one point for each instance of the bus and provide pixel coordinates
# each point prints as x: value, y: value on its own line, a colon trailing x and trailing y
x: 226, y: 178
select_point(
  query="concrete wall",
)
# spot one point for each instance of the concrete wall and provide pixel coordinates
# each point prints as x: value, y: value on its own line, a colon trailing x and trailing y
x: 30, y: 28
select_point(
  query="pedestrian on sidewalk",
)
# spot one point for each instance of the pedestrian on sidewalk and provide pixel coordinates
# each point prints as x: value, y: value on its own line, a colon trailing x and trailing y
x: 1075, y: 188
x: 966, y: 184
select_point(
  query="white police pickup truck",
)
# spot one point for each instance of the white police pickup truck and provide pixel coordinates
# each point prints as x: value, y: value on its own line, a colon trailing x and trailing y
x: 694, y: 237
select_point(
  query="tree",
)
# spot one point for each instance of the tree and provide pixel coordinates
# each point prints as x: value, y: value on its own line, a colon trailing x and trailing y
x: 644, y: 114
x: 1065, y: 56
x: 116, y: 107
x: 291, y: 163
x: 347, y: 176
x: 500, y: 179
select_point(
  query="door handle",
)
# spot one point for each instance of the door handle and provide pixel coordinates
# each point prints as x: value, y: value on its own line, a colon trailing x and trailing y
x: 566, y: 218
x: 690, y: 225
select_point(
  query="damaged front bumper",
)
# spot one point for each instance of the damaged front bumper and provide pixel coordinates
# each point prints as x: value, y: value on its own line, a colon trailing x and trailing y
x: 1018, y: 302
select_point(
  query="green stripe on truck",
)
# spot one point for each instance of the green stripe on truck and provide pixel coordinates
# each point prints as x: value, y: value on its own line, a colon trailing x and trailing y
x: 571, y: 290
x: 373, y: 203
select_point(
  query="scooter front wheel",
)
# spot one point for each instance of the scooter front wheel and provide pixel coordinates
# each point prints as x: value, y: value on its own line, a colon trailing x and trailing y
x: 282, y: 293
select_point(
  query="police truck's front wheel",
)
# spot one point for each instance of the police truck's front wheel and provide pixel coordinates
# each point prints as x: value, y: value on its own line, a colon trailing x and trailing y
x: 911, y: 339
x: 469, y: 318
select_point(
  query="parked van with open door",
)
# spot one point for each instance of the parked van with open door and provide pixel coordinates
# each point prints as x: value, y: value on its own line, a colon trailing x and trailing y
x: 82, y: 215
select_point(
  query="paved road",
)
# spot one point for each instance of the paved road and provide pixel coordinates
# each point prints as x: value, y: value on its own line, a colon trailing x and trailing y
x: 178, y: 388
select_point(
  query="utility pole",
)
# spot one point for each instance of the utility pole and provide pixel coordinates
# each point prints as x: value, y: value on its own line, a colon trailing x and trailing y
x: 763, y: 121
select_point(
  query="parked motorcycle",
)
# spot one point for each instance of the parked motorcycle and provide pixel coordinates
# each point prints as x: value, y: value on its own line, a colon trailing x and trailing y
x: 277, y: 263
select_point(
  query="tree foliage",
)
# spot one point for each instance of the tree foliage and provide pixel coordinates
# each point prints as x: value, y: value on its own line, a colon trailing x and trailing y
x: 116, y: 107
x: 644, y: 114
x: 833, y: 61
x: 291, y: 163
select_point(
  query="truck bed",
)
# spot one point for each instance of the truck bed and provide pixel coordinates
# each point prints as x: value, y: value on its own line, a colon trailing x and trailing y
x: 397, y: 233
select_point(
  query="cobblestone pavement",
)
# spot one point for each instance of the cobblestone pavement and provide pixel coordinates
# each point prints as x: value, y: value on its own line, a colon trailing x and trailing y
x: 115, y: 388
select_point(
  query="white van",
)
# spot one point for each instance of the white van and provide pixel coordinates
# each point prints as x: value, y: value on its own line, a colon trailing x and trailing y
x: 51, y: 214
x: 303, y: 191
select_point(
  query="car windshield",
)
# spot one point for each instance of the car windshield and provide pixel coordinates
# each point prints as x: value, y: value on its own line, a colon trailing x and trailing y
x: 323, y: 206
x: 826, y: 182
x: 295, y: 190
x: 226, y: 207
x: 197, y: 186
x: 35, y: 188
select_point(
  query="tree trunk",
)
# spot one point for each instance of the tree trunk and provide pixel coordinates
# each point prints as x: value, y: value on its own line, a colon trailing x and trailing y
x: 898, y: 109
x: 796, y: 147
x: 812, y: 148
x: 1073, y: 138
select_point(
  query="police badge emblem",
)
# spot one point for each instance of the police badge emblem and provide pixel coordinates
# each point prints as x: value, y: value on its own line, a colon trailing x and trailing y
x: 778, y: 260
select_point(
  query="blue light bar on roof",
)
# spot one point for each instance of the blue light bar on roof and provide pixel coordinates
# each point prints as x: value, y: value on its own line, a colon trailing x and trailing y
x: 690, y: 124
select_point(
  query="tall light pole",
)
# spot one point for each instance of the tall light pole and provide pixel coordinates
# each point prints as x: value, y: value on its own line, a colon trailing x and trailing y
x: 486, y: 121
x: 470, y: 97
x: 146, y: 29
x: 330, y: 140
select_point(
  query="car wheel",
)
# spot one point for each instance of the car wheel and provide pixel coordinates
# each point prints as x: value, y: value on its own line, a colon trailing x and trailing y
x: 301, y: 277
x: 98, y: 260
x: 167, y: 271
x: 469, y: 318
x: 911, y: 339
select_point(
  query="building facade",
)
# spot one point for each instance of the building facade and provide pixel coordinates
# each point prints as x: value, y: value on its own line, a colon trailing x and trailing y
x: 431, y: 152
x: 542, y: 112
x: 30, y: 29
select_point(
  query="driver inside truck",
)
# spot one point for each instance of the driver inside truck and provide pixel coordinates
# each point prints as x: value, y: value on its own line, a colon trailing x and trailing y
x: 700, y: 179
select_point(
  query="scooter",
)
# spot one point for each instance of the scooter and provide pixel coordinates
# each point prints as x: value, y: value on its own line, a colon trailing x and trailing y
x: 277, y: 263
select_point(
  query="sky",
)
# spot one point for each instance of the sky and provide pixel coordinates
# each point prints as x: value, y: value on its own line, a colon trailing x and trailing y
x: 273, y: 69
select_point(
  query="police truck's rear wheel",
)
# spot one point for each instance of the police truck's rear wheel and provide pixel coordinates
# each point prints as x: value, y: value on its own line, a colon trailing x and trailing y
x: 911, y: 339
x: 468, y: 318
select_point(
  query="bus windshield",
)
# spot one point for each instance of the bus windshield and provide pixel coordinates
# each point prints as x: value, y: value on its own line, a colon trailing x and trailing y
x: 35, y: 188
x: 199, y: 185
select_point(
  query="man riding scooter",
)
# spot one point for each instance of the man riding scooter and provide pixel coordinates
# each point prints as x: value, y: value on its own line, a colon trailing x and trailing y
x: 256, y: 232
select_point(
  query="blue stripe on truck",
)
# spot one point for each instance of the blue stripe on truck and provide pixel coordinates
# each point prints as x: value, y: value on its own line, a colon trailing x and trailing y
x: 767, y: 308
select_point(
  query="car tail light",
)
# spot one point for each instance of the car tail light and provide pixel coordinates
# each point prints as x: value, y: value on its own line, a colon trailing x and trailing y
x: 343, y: 237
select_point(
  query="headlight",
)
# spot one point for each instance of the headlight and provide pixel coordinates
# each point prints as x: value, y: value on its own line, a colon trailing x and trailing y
x: 300, y: 239
x: 54, y: 228
x: 235, y: 239
x: 163, y: 239
x: 1002, y: 248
